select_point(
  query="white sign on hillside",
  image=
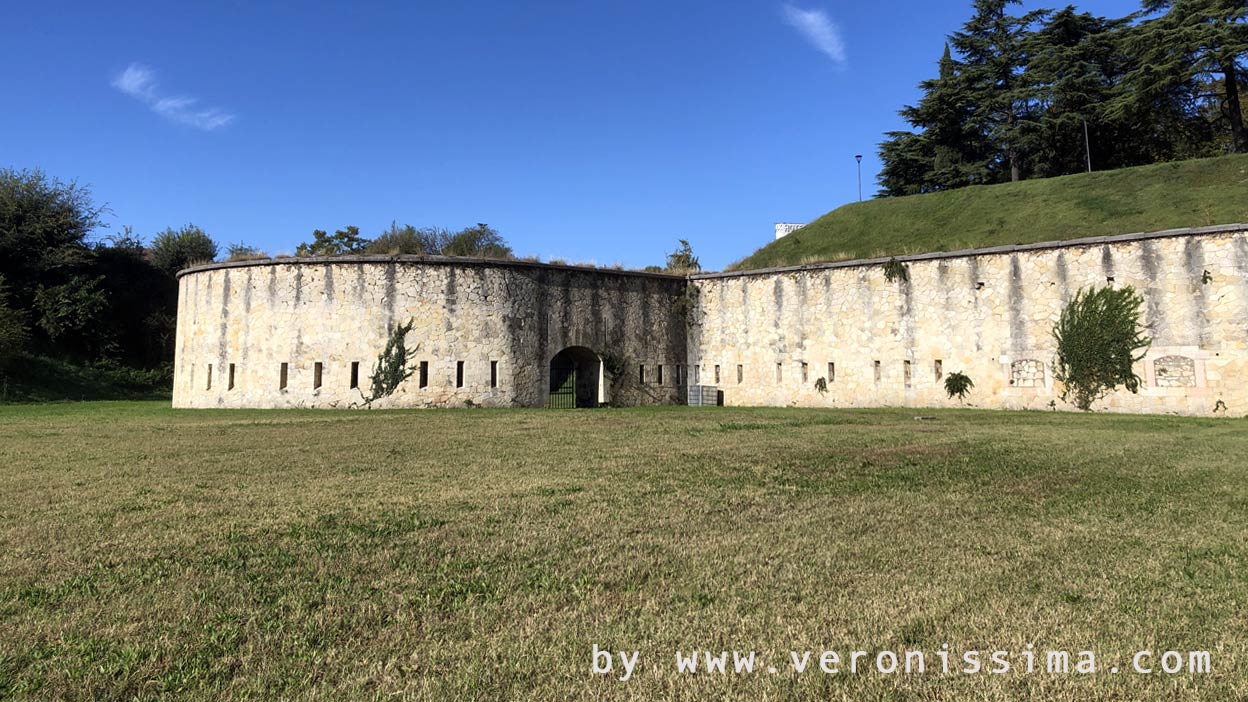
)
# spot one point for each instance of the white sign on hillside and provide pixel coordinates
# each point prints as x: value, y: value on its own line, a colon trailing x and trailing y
x: 786, y: 228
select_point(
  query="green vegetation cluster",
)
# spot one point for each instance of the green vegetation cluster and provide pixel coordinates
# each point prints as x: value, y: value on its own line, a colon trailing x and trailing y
x: 84, y: 316
x: 1047, y: 93
x: 392, y: 366
x: 1099, y: 339
x: 480, y: 241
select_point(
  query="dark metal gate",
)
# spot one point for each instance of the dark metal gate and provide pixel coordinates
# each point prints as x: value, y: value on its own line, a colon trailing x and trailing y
x: 562, y: 387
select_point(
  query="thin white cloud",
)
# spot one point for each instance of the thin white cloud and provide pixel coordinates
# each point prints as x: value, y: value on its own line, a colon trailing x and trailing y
x: 139, y: 82
x: 819, y: 30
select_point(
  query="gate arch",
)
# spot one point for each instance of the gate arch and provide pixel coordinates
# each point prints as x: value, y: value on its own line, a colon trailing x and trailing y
x: 575, y: 379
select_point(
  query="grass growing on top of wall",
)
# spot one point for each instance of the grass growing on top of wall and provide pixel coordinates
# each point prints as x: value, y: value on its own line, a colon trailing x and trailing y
x: 478, y: 555
x: 1149, y: 198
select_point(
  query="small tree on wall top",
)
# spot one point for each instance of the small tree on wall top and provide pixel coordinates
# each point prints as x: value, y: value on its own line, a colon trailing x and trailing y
x: 1098, y: 337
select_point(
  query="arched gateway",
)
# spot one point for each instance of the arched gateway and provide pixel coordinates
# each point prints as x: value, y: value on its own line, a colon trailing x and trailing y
x: 575, y: 379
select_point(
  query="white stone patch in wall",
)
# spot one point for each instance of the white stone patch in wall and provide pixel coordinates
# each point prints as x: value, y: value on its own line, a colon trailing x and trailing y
x: 1027, y: 373
x: 1175, y: 372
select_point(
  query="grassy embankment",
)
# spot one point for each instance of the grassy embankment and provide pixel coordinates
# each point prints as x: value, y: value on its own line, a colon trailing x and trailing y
x: 478, y: 555
x: 1148, y: 198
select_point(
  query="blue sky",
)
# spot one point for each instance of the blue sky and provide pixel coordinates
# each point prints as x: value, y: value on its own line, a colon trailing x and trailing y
x: 589, y: 131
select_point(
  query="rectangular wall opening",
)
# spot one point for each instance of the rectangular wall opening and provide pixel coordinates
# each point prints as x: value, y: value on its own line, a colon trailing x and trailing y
x: 283, y: 376
x: 740, y: 373
x: 459, y: 374
x: 831, y: 372
x: 493, y: 374
x: 208, y: 386
x: 697, y: 374
x: 779, y: 373
x: 805, y: 372
x: 355, y: 374
x: 659, y: 374
x: 905, y: 372
x: 230, y: 382
x: 318, y: 371
x: 717, y: 374
x: 877, y: 371
x: 424, y: 374
x: 641, y: 374
x: 939, y: 368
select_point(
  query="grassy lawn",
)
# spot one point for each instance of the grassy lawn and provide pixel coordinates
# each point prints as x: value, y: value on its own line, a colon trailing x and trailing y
x: 1143, y: 199
x: 479, y: 554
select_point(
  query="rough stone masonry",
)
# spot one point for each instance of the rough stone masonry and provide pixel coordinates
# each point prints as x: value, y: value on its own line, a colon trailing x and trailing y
x: 300, y: 332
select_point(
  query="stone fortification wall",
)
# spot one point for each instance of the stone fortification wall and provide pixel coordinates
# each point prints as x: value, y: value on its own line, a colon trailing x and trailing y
x: 297, y: 332
x: 766, y: 337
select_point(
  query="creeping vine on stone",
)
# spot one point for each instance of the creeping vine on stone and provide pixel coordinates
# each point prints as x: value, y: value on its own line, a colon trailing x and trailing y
x: 1099, y: 339
x: 613, y: 363
x: 821, y: 386
x: 392, y: 366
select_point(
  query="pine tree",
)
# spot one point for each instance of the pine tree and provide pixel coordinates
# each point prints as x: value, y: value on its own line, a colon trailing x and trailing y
x: 1073, y: 64
x: 949, y: 153
x: 1194, y: 39
x: 993, y: 46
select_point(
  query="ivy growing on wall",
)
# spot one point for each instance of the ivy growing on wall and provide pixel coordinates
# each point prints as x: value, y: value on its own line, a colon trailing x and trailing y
x: 1099, y: 338
x: 392, y: 366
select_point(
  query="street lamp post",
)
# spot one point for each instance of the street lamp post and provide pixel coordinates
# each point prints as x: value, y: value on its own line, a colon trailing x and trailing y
x: 858, y: 158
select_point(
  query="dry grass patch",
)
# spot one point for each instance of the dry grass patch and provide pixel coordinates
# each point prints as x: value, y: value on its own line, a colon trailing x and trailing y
x: 479, y: 554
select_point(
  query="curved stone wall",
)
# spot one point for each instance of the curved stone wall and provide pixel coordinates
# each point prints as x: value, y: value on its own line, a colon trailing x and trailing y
x: 770, y: 335
x: 297, y: 332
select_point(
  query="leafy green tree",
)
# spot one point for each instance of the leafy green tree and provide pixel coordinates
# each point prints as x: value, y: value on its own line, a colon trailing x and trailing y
x: 408, y: 240
x: 481, y: 240
x: 175, y: 249
x: 70, y: 313
x: 1098, y: 336
x: 13, y: 333
x: 341, y: 242
x: 44, y: 224
x: 682, y: 259
x: 139, y: 323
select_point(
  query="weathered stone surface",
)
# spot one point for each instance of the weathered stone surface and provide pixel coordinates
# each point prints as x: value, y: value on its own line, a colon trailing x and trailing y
x: 988, y: 314
x: 762, y: 337
x: 340, y: 312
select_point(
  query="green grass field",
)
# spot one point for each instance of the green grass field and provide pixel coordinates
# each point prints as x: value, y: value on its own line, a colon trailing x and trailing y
x: 147, y: 553
x: 1148, y: 198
